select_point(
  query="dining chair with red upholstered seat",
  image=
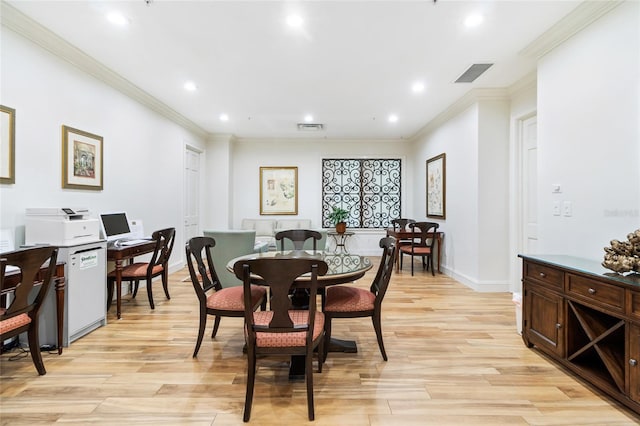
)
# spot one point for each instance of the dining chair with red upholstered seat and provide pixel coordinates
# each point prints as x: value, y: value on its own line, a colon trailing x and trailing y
x: 23, y: 311
x: 282, y: 330
x: 344, y: 301
x: 157, y: 266
x: 422, y: 243
x: 212, y: 297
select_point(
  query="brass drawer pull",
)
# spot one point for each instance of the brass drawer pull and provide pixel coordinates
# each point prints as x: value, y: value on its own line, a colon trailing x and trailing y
x: 633, y: 362
x: 542, y: 275
x: 592, y: 291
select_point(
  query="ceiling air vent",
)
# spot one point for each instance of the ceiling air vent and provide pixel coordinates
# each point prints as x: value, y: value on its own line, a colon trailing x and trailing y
x: 472, y: 73
x: 310, y: 127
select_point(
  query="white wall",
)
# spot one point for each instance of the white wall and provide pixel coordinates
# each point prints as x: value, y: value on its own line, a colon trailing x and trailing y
x: 588, y: 135
x: 249, y: 155
x: 141, y: 174
x: 477, y: 183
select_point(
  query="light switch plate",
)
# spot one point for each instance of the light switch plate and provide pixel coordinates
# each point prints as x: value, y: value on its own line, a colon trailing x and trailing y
x: 556, y: 208
x: 567, y: 208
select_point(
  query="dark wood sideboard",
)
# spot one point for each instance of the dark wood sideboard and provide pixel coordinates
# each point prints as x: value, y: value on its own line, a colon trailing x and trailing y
x: 587, y: 319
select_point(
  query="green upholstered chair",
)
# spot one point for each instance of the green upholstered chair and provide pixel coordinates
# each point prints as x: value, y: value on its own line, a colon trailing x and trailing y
x: 230, y: 244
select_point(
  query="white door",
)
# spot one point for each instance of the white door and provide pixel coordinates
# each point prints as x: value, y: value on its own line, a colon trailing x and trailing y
x: 529, y: 185
x: 191, y: 193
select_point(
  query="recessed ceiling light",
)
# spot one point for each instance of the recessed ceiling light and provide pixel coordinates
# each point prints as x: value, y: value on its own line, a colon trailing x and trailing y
x: 417, y: 87
x: 295, y: 21
x: 473, y: 20
x: 190, y: 86
x: 224, y: 117
x: 117, y: 18
x: 393, y: 118
x: 308, y: 118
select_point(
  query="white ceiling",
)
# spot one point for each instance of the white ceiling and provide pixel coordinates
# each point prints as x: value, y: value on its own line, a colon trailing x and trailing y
x: 351, y: 65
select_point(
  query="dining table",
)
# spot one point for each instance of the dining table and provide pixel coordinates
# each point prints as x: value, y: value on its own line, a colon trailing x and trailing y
x: 342, y: 268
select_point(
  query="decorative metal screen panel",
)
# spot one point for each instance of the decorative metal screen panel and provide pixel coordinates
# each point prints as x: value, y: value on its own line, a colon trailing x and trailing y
x: 368, y: 189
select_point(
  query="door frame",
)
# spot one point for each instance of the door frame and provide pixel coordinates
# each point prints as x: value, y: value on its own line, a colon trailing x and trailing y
x: 517, y: 180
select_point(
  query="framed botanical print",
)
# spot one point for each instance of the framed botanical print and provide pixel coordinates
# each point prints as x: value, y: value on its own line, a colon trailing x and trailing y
x: 7, y: 144
x: 278, y: 190
x: 436, y: 186
x: 81, y: 159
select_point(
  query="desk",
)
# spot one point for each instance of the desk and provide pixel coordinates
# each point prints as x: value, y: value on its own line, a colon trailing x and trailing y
x: 12, y: 279
x: 118, y: 255
x: 405, y: 235
x: 343, y: 268
x: 340, y: 238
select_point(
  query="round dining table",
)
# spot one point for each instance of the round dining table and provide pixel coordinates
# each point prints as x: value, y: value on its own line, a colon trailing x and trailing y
x: 343, y: 268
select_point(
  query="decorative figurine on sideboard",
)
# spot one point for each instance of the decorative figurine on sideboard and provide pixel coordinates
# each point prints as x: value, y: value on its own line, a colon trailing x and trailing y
x: 623, y: 256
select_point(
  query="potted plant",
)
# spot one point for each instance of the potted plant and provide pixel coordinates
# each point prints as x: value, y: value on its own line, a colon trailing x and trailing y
x: 338, y: 217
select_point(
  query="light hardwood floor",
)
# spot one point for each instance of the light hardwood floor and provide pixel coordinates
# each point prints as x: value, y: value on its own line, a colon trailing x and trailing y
x: 454, y: 359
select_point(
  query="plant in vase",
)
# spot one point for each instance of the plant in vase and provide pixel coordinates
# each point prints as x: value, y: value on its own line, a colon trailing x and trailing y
x: 338, y: 217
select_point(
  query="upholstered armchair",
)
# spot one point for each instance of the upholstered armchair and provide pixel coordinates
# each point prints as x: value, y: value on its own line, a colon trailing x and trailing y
x: 230, y: 244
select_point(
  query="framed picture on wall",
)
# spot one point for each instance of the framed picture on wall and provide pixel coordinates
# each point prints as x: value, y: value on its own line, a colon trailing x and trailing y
x: 436, y: 186
x: 278, y: 190
x: 81, y: 159
x: 7, y: 144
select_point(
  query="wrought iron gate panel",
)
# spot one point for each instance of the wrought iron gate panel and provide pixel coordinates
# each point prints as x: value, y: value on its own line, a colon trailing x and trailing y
x: 369, y: 189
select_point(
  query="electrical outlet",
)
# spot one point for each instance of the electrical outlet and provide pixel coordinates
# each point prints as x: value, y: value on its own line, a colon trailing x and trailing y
x: 567, y: 208
x: 556, y: 208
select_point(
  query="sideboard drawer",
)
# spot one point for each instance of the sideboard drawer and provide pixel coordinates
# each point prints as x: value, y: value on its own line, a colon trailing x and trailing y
x: 596, y: 292
x: 544, y: 274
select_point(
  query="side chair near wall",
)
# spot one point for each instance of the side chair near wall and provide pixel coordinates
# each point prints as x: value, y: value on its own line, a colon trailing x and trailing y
x: 298, y: 237
x: 282, y: 330
x: 400, y: 224
x: 23, y: 311
x: 422, y: 243
x: 351, y: 302
x: 222, y: 302
x: 157, y: 266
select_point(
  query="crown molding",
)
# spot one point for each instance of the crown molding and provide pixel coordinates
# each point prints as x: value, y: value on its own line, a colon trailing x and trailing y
x: 529, y: 81
x: 16, y: 21
x: 471, y: 97
x: 579, y: 18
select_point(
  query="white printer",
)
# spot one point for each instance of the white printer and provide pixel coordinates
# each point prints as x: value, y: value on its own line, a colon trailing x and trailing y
x: 60, y: 226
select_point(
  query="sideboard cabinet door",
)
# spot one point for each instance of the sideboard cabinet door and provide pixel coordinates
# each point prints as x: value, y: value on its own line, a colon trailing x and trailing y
x: 543, y: 315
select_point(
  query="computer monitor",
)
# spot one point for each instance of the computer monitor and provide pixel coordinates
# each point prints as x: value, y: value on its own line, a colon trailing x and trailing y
x: 115, y: 225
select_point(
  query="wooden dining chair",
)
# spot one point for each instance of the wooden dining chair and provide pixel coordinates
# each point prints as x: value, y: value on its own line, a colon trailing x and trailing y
x: 422, y: 243
x: 213, y: 298
x: 157, y: 266
x: 282, y: 330
x: 344, y: 301
x: 23, y: 311
x: 298, y: 238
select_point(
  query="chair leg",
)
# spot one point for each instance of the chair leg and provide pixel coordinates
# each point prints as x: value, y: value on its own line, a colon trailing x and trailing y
x: 135, y: 289
x: 202, y: 327
x: 34, y: 348
x: 327, y: 336
x: 377, y: 326
x: 110, y: 284
x: 412, y: 262
x: 251, y: 379
x: 216, y: 324
x: 433, y: 271
x: 149, y: 292
x: 165, y: 283
x: 309, y: 373
x: 320, y: 352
